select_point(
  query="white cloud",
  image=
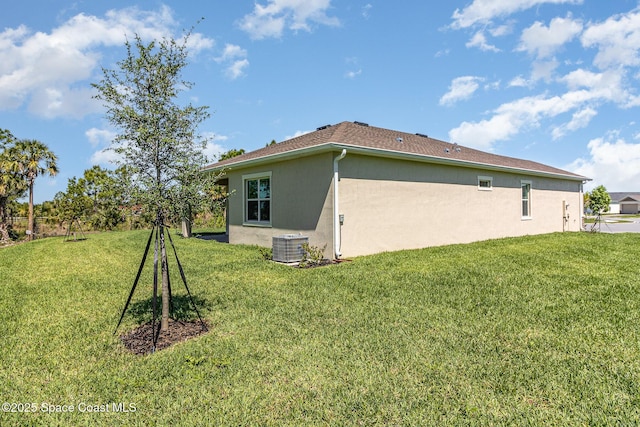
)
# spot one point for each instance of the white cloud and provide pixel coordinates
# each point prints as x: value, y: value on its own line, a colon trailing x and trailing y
x: 105, y: 157
x: 485, y: 11
x: 270, y: 20
x: 617, y: 40
x: 483, y: 134
x: 63, y: 101
x: 98, y: 137
x: 614, y: 164
x: 40, y: 69
x: 501, y: 30
x: 607, y: 86
x: 519, y: 81
x: 297, y: 134
x: 543, y: 70
x: 587, y: 90
x: 366, y: 10
x: 579, y: 120
x: 213, y: 148
x: 231, y: 52
x: 198, y: 42
x: 492, y: 85
x: 353, y: 74
x: 480, y: 41
x: 102, y: 138
x: 545, y: 41
x: 212, y: 151
x: 511, y: 118
x: 581, y: 78
x: 461, y: 88
x: 236, y: 69
x: 235, y: 59
x: 353, y: 62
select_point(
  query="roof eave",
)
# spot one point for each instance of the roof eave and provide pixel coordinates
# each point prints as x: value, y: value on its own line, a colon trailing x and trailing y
x: 276, y: 157
x: 335, y: 146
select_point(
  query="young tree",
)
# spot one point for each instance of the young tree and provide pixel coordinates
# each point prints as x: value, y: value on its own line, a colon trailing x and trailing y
x: 73, y: 203
x: 599, y: 200
x: 157, y: 139
x: 101, y: 186
x: 32, y: 158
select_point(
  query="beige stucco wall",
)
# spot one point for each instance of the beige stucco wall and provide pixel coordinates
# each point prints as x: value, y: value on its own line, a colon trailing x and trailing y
x: 392, y: 204
x: 395, y: 204
x: 301, y: 202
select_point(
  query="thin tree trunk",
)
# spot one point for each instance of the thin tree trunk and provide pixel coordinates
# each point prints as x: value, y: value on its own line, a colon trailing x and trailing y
x: 186, y: 228
x: 31, y: 221
x: 166, y: 293
x: 4, y: 227
x: 186, y: 223
x: 4, y: 233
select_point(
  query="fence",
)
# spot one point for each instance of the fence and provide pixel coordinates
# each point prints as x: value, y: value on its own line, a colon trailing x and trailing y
x: 44, y: 226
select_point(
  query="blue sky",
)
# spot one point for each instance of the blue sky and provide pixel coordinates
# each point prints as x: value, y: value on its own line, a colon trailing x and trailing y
x: 554, y: 81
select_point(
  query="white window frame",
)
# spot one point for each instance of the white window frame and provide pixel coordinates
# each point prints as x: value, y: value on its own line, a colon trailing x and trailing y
x: 252, y: 177
x: 488, y: 179
x: 528, y: 200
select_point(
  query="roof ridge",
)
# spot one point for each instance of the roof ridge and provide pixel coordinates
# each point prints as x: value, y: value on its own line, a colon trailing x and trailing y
x: 374, y: 140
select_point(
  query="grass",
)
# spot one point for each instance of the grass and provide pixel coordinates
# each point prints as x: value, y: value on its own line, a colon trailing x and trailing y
x: 538, y: 330
x: 609, y: 217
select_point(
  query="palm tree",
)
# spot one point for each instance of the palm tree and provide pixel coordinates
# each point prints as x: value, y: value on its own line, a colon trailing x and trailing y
x: 31, y: 159
x: 12, y: 186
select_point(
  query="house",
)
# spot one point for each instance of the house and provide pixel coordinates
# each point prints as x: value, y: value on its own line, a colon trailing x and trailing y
x: 360, y: 190
x: 624, y: 203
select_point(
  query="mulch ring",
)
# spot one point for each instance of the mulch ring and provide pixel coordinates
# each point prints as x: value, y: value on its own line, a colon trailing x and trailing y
x: 139, y: 341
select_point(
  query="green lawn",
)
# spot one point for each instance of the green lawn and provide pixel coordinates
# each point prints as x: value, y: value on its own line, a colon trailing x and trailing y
x: 540, y: 330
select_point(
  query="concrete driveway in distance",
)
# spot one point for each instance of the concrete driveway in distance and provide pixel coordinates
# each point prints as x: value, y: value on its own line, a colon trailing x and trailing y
x: 610, y: 224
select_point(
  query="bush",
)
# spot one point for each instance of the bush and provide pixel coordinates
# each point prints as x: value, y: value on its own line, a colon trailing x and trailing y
x: 267, y: 253
x: 312, y: 256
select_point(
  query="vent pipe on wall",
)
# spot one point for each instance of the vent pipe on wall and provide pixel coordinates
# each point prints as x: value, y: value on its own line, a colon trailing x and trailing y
x: 336, y: 206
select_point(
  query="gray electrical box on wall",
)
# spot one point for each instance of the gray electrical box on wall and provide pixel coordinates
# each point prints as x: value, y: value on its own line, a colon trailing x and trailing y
x: 341, y: 216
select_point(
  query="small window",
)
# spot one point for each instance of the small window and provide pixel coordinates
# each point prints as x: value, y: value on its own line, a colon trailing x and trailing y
x: 526, y: 199
x: 485, y: 183
x: 257, y: 199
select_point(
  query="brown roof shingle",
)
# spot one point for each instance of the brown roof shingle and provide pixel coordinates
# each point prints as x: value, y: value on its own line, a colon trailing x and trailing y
x: 385, y: 142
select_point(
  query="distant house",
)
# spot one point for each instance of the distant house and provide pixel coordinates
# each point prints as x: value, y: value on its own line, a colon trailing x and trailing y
x: 624, y: 203
x: 360, y: 190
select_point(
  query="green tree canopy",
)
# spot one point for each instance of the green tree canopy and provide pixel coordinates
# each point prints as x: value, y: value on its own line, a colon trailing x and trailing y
x: 73, y: 203
x: 599, y: 200
x: 157, y: 139
x: 231, y: 154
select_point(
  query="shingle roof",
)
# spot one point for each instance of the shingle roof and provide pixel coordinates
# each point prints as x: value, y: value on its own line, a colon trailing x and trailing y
x: 363, y: 138
x: 617, y: 196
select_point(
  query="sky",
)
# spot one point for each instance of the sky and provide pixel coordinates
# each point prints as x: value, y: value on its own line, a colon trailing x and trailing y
x: 553, y: 81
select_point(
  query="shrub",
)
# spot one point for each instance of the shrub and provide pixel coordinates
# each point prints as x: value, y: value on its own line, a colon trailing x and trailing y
x: 312, y: 256
x: 267, y: 253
